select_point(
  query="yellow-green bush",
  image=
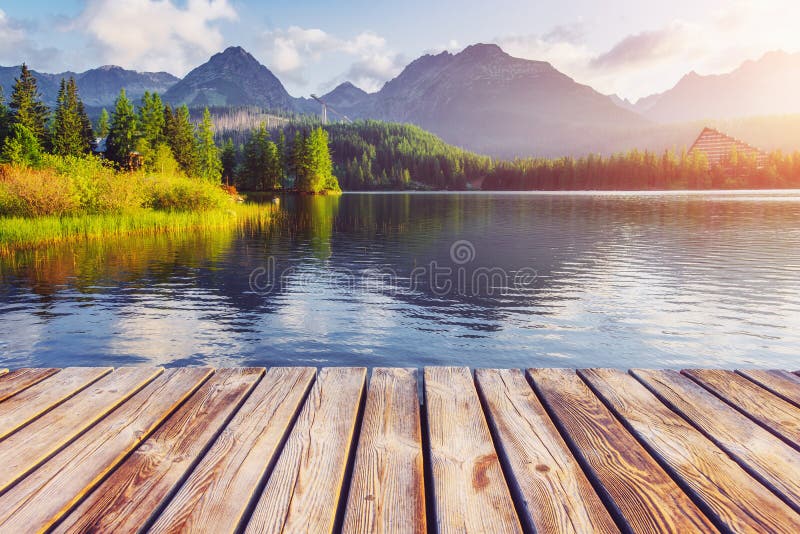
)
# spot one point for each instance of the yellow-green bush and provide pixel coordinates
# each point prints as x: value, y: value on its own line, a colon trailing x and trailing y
x: 89, y: 185
x: 178, y: 193
x: 28, y: 192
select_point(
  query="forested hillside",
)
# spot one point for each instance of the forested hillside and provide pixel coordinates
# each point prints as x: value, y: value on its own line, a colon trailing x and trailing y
x: 367, y: 155
x: 374, y: 155
x: 380, y: 155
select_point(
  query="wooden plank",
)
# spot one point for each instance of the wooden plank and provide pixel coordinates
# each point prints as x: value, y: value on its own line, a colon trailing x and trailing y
x: 552, y: 492
x: 469, y: 490
x: 137, y: 489
x: 781, y: 383
x: 39, y: 398
x: 25, y: 449
x: 303, y: 491
x: 644, y: 494
x: 220, y: 489
x: 387, y: 492
x: 763, y: 455
x: 775, y: 414
x: 43, y: 497
x: 734, y: 499
x: 21, y: 379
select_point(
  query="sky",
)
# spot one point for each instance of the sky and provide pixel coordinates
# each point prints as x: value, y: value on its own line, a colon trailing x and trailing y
x: 631, y: 48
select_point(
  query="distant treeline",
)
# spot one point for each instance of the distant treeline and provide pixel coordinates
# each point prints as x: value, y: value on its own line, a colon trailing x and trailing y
x: 370, y: 155
x: 638, y: 170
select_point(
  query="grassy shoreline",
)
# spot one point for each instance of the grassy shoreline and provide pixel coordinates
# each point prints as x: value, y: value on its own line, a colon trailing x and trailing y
x: 20, y: 233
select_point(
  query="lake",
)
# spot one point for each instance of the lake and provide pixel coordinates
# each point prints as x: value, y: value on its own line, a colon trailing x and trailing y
x: 413, y: 279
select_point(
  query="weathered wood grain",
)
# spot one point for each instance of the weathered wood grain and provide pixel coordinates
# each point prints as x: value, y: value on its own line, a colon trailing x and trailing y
x: 304, y: 490
x: 780, y: 417
x: 782, y: 383
x: 387, y: 492
x: 645, y: 495
x: 23, y: 450
x: 140, y: 486
x: 469, y: 489
x: 763, y: 455
x: 44, y: 496
x: 39, y: 398
x: 735, y: 500
x: 21, y: 379
x: 552, y: 492
x: 222, y: 486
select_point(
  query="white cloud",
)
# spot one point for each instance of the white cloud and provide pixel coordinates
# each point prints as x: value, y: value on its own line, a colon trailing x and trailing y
x: 155, y: 34
x: 292, y: 50
x: 10, y: 35
x: 16, y: 46
x: 654, y: 60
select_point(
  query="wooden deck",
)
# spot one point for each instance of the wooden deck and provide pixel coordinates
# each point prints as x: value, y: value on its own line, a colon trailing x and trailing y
x: 301, y: 450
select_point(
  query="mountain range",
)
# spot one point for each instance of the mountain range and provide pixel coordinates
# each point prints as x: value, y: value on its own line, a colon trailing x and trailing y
x: 768, y: 86
x: 481, y: 98
x: 98, y: 87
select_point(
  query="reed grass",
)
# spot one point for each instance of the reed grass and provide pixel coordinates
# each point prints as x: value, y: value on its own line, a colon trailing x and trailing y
x: 71, y: 198
x: 19, y: 233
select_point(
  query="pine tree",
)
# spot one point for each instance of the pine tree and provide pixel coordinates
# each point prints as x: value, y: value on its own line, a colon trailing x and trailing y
x: 169, y: 122
x: 282, y: 155
x: 228, y: 159
x: 87, y: 132
x: 261, y: 168
x: 68, y: 137
x: 5, y: 117
x: 102, y: 124
x: 297, y: 158
x: 122, y: 135
x: 151, y: 119
x: 180, y: 137
x: 313, y: 164
x: 208, y: 164
x: 27, y: 106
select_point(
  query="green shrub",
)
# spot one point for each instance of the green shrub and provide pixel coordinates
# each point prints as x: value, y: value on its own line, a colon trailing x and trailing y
x: 179, y: 193
x: 21, y: 147
x: 96, y: 185
x: 71, y: 185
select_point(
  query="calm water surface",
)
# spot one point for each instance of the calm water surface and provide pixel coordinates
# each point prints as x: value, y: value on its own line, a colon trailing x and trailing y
x: 506, y: 280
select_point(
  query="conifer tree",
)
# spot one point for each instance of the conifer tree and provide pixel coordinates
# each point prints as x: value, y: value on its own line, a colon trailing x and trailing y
x: 261, y: 168
x: 68, y: 137
x: 228, y: 159
x: 180, y: 137
x: 208, y: 163
x: 297, y: 157
x: 169, y: 122
x: 5, y: 117
x: 151, y: 119
x: 282, y: 155
x: 27, y: 107
x: 313, y: 164
x: 87, y: 132
x: 122, y: 131
x: 102, y: 123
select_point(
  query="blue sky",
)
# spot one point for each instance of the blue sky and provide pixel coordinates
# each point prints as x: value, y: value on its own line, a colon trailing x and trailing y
x: 632, y: 48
